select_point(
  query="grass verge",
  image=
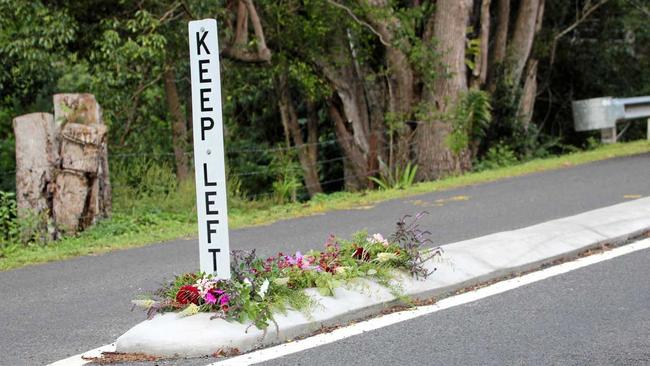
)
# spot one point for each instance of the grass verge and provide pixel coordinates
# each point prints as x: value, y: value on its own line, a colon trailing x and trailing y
x: 132, y: 228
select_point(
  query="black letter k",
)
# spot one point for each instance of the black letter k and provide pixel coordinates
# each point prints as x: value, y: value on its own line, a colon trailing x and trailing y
x: 201, y: 42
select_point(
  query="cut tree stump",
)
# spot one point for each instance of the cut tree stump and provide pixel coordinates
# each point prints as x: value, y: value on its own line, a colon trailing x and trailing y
x: 84, y: 153
x: 62, y: 164
x: 70, y: 195
x: 37, y: 155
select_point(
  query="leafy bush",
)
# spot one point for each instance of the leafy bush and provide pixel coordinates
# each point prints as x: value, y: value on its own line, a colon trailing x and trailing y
x: 287, y: 181
x: 9, y: 227
x: 16, y: 231
x: 497, y: 156
x: 396, y: 178
x: 470, y: 119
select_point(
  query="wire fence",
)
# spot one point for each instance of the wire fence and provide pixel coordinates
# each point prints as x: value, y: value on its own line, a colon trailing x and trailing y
x: 268, y: 169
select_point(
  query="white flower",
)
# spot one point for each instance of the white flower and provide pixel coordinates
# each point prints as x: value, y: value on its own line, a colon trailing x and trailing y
x: 282, y: 281
x: 372, y: 272
x: 204, y: 285
x: 386, y: 256
x: 247, y: 282
x: 378, y: 239
x: 263, y: 289
x: 341, y: 269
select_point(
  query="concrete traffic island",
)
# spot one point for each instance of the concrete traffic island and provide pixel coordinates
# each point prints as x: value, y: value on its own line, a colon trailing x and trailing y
x: 467, y: 264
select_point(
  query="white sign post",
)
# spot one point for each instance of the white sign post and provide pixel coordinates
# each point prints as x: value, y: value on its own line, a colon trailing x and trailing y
x: 209, y: 162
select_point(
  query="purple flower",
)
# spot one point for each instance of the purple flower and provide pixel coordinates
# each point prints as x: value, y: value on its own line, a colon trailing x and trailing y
x: 224, y: 299
x: 210, y: 298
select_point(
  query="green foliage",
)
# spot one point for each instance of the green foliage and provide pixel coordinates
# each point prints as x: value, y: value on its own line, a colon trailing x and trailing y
x: 259, y: 287
x: 15, y: 231
x: 471, y: 117
x: 396, y: 178
x: 9, y: 227
x: 33, y: 39
x: 287, y: 181
x: 497, y: 156
x: 472, y: 52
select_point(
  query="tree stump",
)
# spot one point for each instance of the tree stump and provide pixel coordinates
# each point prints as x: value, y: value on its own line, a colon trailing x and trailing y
x: 37, y: 155
x: 62, y: 163
x: 82, y: 192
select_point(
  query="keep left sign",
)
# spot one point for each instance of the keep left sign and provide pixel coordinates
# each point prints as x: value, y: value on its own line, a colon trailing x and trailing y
x: 209, y: 162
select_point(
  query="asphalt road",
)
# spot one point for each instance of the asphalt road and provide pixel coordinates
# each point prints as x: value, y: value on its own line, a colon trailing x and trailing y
x: 51, y: 311
x: 596, y: 315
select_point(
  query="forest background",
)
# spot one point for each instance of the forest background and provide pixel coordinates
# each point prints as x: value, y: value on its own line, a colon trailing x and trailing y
x: 319, y: 96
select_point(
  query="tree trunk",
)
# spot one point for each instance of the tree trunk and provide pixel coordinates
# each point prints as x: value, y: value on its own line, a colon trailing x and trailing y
x: 527, y: 103
x: 356, y: 177
x: 37, y: 155
x: 401, y: 94
x: 481, y: 68
x: 179, y: 125
x: 312, y: 132
x: 501, y: 32
x: 349, y: 88
x: 522, y: 39
x: 435, y: 159
x: 290, y: 119
x: 500, y: 44
x: 239, y: 49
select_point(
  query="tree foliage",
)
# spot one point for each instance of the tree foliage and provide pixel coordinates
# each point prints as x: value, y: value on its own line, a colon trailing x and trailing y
x: 367, y: 82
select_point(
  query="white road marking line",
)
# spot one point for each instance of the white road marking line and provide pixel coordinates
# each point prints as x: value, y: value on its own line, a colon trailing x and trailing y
x: 77, y: 360
x: 284, y: 349
x: 390, y: 319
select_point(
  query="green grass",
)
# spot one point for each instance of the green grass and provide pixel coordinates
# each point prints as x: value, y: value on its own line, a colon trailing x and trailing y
x: 151, y: 220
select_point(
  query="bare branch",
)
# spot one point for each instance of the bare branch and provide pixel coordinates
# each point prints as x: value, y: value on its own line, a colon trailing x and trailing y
x: 359, y: 21
x: 586, y: 12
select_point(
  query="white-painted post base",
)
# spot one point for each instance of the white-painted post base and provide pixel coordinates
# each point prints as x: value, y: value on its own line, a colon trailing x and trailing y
x: 608, y: 135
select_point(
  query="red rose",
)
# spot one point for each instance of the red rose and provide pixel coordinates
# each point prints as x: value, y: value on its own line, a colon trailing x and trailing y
x: 188, y: 294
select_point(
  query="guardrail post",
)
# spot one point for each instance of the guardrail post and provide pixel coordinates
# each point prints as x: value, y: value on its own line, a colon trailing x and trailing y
x: 608, y: 135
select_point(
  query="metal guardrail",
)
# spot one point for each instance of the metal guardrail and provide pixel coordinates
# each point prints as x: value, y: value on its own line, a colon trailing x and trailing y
x: 603, y: 113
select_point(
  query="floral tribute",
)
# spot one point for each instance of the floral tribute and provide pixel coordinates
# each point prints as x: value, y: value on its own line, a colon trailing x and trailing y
x: 260, y: 287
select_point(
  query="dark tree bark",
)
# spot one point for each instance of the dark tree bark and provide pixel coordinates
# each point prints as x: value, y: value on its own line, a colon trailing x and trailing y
x: 179, y: 124
x: 500, y: 44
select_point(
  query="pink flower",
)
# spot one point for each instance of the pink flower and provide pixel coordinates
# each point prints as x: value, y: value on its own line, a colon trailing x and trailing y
x: 210, y: 298
x: 224, y: 299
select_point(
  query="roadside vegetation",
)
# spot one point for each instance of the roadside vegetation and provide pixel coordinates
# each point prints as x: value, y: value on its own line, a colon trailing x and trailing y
x: 154, y: 208
x: 259, y: 288
x: 327, y: 105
